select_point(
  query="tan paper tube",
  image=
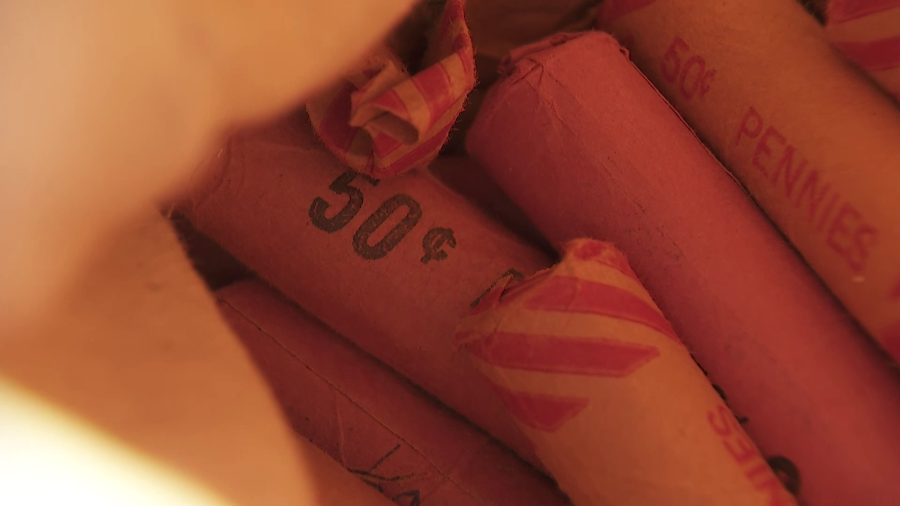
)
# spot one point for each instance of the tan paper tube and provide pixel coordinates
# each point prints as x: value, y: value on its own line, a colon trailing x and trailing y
x: 616, y: 407
x: 813, y: 141
x: 377, y: 424
x: 392, y: 265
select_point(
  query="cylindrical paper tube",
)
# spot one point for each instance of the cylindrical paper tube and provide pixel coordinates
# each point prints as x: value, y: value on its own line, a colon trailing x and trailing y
x: 466, y: 177
x: 868, y: 32
x: 392, y: 265
x: 377, y: 424
x: 815, y: 144
x: 381, y: 121
x: 616, y: 407
x: 593, y: 150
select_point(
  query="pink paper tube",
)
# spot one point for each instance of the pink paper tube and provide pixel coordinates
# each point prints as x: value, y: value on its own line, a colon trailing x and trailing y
x: 587, y: 147
x: 375, y: 423
x: 392, y: 265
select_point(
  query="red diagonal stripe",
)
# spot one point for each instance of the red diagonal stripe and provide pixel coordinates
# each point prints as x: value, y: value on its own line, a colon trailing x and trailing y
x: 542, y: 412
x: 434, y: 84
x: 840, y: 11
x: 516, y: 291
x: 891, y: 340
x: 573, y: 295
x: 615, y: 9
x: 391, y: 102
x: 383, y: 144
x: 423, y: 153
x: 604, y: 254
x: 895, y: 292
x: 882, y: 54
x: 566, y: 355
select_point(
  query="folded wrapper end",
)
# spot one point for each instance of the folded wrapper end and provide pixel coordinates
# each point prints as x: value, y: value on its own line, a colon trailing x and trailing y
x: 381, y: 121
x: 614, y: 404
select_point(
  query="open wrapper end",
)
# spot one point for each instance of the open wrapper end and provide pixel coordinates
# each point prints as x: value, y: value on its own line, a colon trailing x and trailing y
x: 381, y: 121
x: 616, y: 407
x: 593, y: 150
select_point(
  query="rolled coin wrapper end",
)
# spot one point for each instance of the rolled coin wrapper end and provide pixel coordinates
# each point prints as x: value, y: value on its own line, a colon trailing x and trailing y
x: 616, y: 407
x: 381, y: 121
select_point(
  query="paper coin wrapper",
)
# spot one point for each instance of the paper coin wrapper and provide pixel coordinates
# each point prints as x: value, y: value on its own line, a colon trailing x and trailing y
x: 391, y: 265
x: 593, y: 150
x: 868, y: 33
x: 815, y: 144
x: 377, y: 424
x: 616, y: 407
x: 136, y: 392
x: 381, y: 121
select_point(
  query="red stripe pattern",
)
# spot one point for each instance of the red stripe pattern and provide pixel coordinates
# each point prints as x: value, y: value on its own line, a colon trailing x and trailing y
x: 891, y: 339
x: 882, y: 54
x: 562, y: 355
x: 840, y: 11
x: 542, y: 412
x: 574, y: 295
x: 868, y: 33
x: 497, y: 337
x: 382, y: 121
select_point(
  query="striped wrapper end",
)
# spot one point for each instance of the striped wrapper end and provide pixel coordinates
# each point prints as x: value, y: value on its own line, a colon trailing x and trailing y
x: 868, y: 33
x: 612, y: 401
x: 381, y: 121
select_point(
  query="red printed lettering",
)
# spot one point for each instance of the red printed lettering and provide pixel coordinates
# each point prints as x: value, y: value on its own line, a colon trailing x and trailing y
x: 752, y: 132
x: 742, y: 450
x: 693, y: 78
x: 827, y: 214
x: 791, y: 176
x: 815, y: 197
x: 843, y: 227
x: 746, y: 456
x: 865, y: 238
x: 839, y: 236
x: 721, y: 427
x: 671, y: 63
x: 762, y: 148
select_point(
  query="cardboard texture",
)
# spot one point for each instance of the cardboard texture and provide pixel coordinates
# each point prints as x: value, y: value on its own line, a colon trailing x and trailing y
x: 812, y: 141
x: 381, y: 121
x: 616, y: 407
x: 868, y: 33
x: 139, y: 356
x: 594, y: 150
x: 378, y: 425
x: 392, y: 265
x: 466, y: 177
x: 499, y: 26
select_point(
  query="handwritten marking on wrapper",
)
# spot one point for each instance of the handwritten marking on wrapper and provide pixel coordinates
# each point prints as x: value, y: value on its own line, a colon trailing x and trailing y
x: 614, y: 404
x: 381, y: 121
x: 433, y: 243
